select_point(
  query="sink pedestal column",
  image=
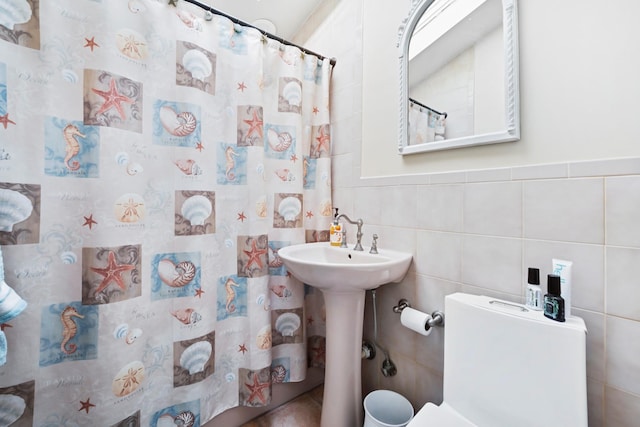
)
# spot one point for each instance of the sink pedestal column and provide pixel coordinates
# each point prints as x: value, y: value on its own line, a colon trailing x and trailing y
x: 342, y: 400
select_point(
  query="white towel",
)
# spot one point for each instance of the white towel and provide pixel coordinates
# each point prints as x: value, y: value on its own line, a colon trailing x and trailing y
x: 10, y: 306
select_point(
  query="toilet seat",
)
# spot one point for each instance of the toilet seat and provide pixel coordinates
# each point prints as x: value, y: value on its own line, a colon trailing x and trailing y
x: 441, y: 416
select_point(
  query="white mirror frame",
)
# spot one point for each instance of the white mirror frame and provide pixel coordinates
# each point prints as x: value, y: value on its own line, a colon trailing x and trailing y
x: 512, y: 84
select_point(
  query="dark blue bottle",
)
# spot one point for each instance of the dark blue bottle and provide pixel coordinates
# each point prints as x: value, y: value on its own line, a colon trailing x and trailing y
x: 553, y: 302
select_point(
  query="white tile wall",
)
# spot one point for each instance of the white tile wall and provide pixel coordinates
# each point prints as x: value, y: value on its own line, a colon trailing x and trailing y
x: 493, y: 208
x: 478, y: 231
x: 623, y: 211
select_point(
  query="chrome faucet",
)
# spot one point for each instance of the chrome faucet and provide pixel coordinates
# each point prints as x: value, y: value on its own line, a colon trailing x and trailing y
x: 359, y: 223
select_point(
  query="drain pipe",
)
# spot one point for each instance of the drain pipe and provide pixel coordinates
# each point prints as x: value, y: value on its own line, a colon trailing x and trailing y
x: 368, y: 351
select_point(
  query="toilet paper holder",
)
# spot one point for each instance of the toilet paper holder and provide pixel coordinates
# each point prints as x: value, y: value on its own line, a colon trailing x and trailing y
x: 437, y: 317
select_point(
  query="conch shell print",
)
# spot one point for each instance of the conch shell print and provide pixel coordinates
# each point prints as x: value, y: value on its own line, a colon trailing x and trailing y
x: 177, y: 124
x: 14, y: 12
x: 196, y: 356
x: 188, y: 316
x: 188, y: 166
x: 70, y: 133
x: 14, y: 208
x: 128, y: 379
x: 69, y: 329
x: 189, y: 19
x: 176, y: 276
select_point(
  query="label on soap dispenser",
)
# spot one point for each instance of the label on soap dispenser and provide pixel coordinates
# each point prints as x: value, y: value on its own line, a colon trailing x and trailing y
x: 335, y: 234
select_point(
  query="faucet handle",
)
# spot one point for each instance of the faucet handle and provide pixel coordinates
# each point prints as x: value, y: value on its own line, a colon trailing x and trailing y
x: 344, y: 238
x: 374, y: 245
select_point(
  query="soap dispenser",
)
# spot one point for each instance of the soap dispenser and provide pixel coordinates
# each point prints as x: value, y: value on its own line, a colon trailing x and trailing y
x: 335, y: 231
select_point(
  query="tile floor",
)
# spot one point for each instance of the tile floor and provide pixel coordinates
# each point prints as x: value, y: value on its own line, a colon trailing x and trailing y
x: 304, y: 410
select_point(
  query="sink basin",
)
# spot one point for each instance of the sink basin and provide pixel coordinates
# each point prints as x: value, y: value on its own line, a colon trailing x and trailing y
x: 343, y: 275
x: 329, y: 267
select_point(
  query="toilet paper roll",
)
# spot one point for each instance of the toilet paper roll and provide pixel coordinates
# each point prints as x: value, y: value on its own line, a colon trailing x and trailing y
x: 416, y: 320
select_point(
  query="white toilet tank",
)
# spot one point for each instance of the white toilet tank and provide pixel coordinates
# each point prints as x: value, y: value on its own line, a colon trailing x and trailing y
x: 506, y: 365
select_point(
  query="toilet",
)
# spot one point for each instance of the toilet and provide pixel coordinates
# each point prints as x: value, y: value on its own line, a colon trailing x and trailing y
x: 506, y: 366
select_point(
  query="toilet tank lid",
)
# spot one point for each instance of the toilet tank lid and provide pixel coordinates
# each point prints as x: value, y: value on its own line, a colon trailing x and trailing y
x: 514, y: 309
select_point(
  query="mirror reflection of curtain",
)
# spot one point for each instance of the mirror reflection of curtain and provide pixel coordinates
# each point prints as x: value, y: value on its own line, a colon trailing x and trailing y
x: 152, y: 164
x: 425, y: 125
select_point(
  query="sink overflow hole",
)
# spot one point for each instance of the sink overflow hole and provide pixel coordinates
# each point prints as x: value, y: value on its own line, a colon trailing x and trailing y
x: 349, y: 256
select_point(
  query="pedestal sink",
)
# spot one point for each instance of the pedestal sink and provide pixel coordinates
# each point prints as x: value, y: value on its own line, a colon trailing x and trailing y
x: 343, y: 275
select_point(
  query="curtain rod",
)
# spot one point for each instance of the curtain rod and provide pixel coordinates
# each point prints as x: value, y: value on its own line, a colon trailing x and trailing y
x: 332, y: 61
x: 424, y: 106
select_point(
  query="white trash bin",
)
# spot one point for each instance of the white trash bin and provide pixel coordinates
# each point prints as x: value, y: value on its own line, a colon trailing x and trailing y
x: 386, y: 408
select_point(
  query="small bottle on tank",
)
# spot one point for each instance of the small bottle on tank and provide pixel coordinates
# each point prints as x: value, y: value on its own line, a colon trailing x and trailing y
x: 553, y: 302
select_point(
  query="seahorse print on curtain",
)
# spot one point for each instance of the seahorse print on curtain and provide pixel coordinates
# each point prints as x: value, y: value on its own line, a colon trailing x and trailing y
x: 152, y: 165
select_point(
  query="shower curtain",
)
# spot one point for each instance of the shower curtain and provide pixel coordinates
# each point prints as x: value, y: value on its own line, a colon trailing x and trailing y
x: 152, y: 164
x: 425, y: 125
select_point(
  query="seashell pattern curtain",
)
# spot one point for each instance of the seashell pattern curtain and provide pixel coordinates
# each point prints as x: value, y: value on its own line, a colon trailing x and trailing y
x: 152, y: 164
x: 425, y: 125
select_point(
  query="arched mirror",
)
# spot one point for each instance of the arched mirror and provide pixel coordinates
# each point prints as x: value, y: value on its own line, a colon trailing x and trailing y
x: 459, y: 81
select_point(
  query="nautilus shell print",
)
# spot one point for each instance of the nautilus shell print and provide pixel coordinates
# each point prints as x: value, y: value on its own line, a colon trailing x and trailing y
x: 188, y: 316
x: 196, y: 356
x: 287, y: 324
x: 131, y: 44
x: 279, y: 141
x: 188, y: 166
x: 176, y: 276
x: 197, y: 64
x: 11, y: 408
x: 183, y: 419
x: 196, y: 209
x: 278, y: 374
x: 14, y: 208
x: 129, y: 208
x: 14, y: 12
x: 290, y: 208
x: 177, y: 124
x: 263, y: 339
x: 128, y: 379
x: 292, y: 92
